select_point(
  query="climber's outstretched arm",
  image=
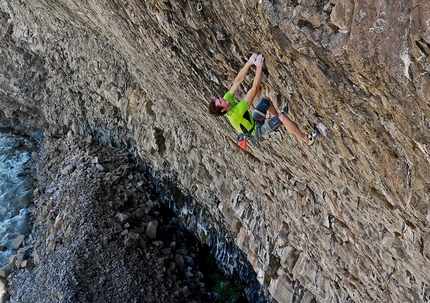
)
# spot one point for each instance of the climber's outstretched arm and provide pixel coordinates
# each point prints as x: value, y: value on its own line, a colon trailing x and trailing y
x: 242, y: 73
x: 257, y: 80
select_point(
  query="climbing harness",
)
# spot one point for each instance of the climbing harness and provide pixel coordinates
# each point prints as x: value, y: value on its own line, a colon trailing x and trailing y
x: 356, y: 240
x: 241, y: 138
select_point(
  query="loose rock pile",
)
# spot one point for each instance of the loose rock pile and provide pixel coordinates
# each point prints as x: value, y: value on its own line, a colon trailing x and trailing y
x: 99, y: 234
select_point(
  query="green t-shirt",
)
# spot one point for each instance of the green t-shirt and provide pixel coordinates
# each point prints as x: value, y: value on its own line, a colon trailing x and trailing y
x: 239, y: 115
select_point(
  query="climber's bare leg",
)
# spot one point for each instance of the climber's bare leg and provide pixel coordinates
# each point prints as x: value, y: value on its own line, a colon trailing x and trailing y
x: 272, y: 110
x: 293, y: 128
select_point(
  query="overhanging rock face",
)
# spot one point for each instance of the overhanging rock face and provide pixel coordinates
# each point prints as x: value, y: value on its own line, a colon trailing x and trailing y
x: 140, y: 74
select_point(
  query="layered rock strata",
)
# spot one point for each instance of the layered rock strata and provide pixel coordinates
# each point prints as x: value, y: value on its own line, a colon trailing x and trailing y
x: 139, y: 74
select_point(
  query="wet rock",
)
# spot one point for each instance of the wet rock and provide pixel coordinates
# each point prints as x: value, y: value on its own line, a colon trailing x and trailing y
x: 3, y: 283
x: 18, y: 242
x: 6, y: 270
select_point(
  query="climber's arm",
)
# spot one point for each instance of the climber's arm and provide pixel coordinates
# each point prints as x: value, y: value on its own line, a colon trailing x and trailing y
x: 257, y: 80
x: 242, y: 73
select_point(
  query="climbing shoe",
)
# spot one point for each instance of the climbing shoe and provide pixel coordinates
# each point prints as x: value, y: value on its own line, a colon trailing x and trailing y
x: 286, y: 108
x: 312, y: 136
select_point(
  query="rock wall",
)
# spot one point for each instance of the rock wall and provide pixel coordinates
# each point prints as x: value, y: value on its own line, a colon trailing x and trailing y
x: 139, y: 74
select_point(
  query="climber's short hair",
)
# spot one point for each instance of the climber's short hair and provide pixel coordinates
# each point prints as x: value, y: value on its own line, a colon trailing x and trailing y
x: 215, y: 110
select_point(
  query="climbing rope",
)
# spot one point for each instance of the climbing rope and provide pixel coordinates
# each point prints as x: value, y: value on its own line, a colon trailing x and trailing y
x: 346, y: 224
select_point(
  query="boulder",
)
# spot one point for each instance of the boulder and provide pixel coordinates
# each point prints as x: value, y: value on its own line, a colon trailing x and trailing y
x: 18, y: 242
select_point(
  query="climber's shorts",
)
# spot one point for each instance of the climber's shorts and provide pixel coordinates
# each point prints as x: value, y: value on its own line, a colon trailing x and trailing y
x: 260, y: 111
x: 264, y: 128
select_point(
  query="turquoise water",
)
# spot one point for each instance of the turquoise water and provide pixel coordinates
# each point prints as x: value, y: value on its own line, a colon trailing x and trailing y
x: 16, y: 189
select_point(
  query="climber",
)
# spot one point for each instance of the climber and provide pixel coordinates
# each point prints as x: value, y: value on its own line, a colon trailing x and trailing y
x: 255, y: 127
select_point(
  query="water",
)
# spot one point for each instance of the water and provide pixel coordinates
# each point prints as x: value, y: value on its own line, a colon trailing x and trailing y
x: 16, y: 189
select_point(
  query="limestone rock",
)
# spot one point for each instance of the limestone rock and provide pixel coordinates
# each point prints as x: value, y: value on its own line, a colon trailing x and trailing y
x: 138, y: 75
x: 342, y: 15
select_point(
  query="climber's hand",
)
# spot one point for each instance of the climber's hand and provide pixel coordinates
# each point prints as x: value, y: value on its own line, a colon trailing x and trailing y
x: 252, y: 59
x: 259, y: 61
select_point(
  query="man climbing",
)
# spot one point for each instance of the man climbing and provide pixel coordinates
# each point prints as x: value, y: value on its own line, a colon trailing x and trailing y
x: 255, y: 126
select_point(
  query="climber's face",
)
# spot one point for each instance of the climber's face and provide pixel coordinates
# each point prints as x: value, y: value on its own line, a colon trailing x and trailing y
x: 222, y: 103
